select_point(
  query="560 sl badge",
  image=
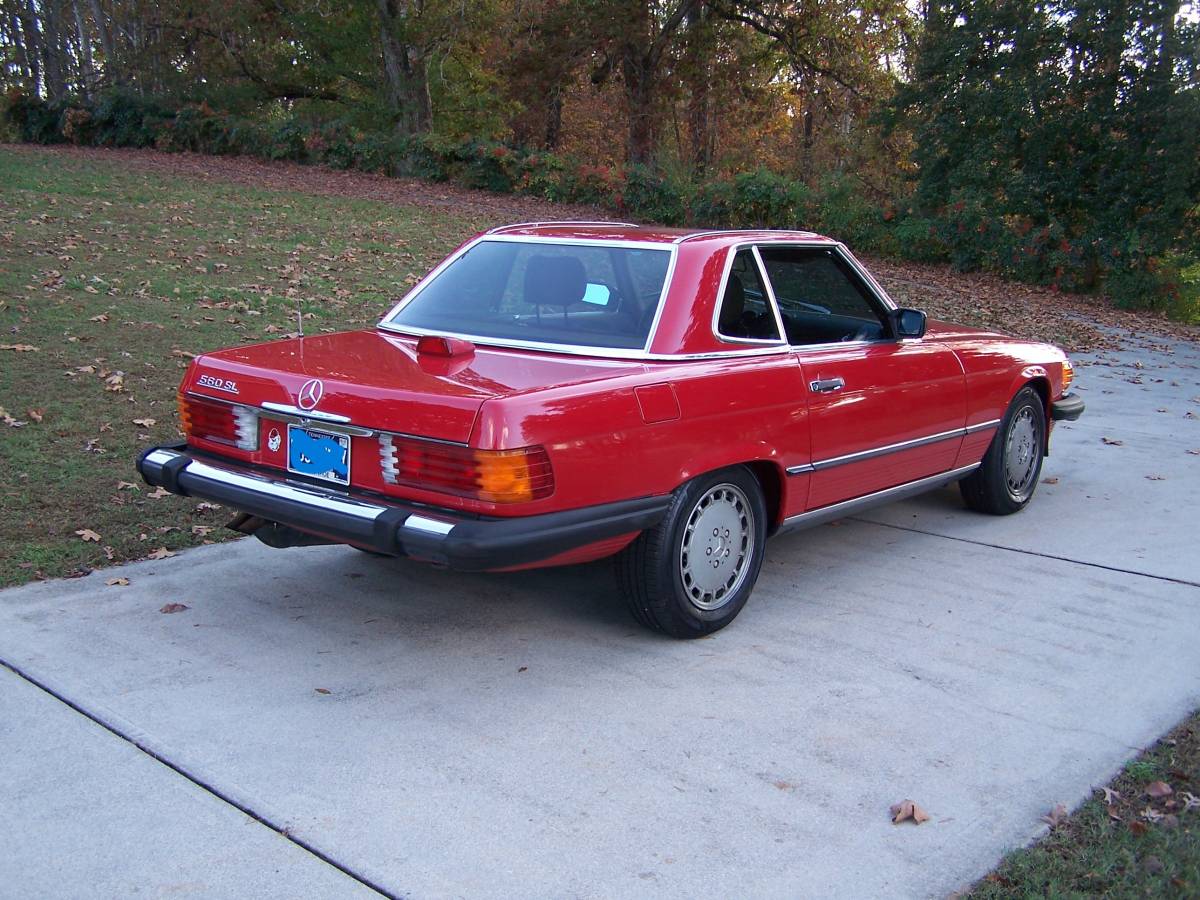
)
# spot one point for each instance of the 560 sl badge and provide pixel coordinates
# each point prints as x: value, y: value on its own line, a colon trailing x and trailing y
x: 221, y: 384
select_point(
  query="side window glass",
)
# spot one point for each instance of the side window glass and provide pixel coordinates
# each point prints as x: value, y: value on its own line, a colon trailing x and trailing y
x: 745, y: 308
x: 821, y: 300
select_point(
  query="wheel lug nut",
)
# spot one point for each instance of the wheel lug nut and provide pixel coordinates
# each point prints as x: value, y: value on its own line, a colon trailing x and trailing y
x: 709, y: 551
x: 715, y: 532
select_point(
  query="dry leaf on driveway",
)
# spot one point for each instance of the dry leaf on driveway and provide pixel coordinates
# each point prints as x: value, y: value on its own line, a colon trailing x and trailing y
x: 160, y: 553
x: 1112, y: 442
x: 1156, y: 477
x: 323, y: 690
x: 907, y: 809
x: 174, y: 608
x: 88, y: 535
x: 115, y: 582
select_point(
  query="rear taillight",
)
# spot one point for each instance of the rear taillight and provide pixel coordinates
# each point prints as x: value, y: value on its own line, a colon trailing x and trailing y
x: 224, y: 423
x: 497, y: 476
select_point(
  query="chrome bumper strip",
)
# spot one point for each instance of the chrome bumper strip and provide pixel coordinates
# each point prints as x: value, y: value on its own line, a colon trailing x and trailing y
x: 819, y: 464
x: 849, y: 507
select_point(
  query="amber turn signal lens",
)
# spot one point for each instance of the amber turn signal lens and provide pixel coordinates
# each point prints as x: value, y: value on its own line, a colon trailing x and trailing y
x: 513, y: 476
x: 1068, y: 375
x: 185, y: 415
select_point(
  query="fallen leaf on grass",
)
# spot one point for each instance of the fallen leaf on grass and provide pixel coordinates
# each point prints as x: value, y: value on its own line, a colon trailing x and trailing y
x: 1158, y: 789
x: 158, y: 493
x: 1190, y: 801
x: 205, y: 506
x: 907, y: 809
x: 1112, y: 442
x: 1139, y: 828
x: 145, y: 423
x: 1056, y: 816
x: 174, y: 608
x: 110, y: 554
x: 127, y: 486
x: 88, y: 535
x: 202, y: 530
x: 160, y: 553
x: 323, y: 690
x: 1113, y: 814
x: 1151, y: 815
x: 19, y: 348
x: 36, y: 414
x: 9, y: 420
x: 1110, y: 796
x: 114, y: 582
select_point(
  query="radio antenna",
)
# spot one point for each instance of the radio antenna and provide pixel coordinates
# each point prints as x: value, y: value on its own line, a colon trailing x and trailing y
x: 299, y: 320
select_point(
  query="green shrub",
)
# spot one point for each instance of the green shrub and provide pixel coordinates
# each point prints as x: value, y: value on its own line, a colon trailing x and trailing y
x: 843, y: 212
x: 650, y: 195
x: 765, y: 199
x: 35, y: 120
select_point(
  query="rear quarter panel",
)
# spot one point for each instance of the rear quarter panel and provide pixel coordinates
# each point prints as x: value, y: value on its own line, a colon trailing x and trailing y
x: 602, y: 448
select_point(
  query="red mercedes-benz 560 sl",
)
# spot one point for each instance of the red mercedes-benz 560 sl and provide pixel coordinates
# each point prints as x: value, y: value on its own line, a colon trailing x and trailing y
x: 555, y: 393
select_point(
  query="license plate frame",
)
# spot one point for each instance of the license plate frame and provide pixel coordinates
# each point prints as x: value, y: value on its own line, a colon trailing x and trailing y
x: 314, y: 440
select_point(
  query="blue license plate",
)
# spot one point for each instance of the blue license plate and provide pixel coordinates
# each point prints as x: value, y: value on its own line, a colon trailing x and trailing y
x: 319, y: 454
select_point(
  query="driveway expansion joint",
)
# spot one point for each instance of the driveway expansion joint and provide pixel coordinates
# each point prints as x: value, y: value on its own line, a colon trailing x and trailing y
x: 282, y: 830
x: 1024, y: 552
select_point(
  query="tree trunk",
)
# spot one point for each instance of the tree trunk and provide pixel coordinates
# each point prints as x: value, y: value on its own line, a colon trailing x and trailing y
x: 100, y: 21
x: 18, y: 39
x: 639, y: 102
x: 698, y: 112
x: 33, y: 43
x: 52, y: 48
x: 87, y: 67
x: 554, y: 109
x: 404, y: 70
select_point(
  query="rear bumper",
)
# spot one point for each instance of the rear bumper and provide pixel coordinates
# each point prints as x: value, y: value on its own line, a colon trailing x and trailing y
x: 1068, y: 408
x: 442, y: 536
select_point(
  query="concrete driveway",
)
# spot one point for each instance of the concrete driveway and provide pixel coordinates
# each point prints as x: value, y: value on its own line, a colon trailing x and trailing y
x: 320, y: 722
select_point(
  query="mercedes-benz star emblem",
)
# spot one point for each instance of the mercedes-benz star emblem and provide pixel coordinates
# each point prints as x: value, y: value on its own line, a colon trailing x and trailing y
x: 310, y: 393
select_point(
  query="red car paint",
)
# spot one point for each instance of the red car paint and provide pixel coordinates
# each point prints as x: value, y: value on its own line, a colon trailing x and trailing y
x: 639, y: 424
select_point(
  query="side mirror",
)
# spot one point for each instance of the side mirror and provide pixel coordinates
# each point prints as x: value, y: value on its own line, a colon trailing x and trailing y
x: 908, y: 323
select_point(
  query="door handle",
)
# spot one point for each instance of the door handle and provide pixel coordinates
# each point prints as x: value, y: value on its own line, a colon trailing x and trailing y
x: 827, y: 385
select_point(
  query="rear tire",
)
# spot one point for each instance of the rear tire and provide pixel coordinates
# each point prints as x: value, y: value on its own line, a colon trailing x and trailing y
x: 692, y: 573
x: 1006, y: 480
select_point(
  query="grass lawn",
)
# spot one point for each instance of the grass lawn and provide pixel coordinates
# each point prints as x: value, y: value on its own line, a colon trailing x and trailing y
x: 114, y: 275
x: 1137, y: 842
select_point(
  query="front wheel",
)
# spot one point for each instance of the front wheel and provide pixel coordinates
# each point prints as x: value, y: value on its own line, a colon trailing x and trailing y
x: 1006, y: 479
x: 692, y: 573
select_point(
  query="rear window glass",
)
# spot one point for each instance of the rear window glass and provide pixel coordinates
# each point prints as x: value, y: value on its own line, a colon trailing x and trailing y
x: 580, y: 295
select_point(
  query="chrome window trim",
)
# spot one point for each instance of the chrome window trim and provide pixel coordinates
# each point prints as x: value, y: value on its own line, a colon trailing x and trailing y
x: 501, y: 229
x: 730, y: 256
x: 848, y: 507
x: 868, y: 280
x: 570, y: 349
x: 831, y: 462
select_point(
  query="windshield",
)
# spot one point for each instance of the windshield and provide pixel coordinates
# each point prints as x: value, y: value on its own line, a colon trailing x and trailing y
x: 584, y: 295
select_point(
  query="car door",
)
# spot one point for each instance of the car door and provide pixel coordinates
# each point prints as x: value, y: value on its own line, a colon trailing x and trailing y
x: 882, y: 411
